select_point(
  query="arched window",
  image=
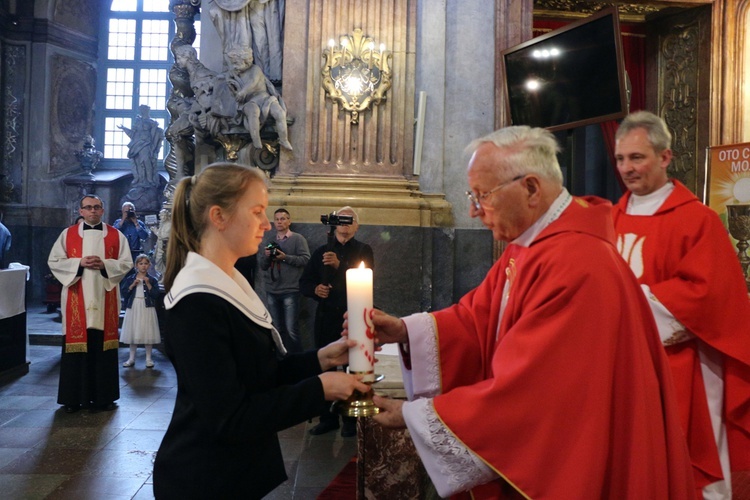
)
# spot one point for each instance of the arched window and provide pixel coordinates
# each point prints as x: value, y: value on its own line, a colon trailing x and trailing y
x: 135, y: 60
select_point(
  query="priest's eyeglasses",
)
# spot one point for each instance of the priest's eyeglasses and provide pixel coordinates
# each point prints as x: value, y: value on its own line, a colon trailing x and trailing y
x: 477, y: 199
x: 91, y: 207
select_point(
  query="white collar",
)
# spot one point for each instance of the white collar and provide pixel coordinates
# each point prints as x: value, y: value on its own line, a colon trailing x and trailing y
x: 648, y: 204
x: 553, y: 212
x: 105, y: 229
x: 200, y: 275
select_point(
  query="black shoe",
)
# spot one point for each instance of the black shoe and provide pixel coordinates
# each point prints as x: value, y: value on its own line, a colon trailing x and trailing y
x: 72, y: 408
x: 105, y: 407
x: 349, y: 429
x: 324, y: 427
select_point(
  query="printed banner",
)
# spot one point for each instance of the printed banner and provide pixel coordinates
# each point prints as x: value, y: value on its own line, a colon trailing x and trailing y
x: 729, y: 178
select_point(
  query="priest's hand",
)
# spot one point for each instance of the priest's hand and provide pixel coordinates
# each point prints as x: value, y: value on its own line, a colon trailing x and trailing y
x: 340, y: 385
x: 92, y: 262
x: 390, y: 415
x: 335, y: 354
x: 388, y: 329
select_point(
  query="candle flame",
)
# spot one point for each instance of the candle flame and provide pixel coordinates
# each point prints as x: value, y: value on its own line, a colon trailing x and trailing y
x: 362, y: 265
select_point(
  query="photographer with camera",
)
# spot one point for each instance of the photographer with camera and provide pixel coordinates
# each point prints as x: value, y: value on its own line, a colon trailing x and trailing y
x: 324, y: 280
x: 283, y: 258
x: 134, y: 230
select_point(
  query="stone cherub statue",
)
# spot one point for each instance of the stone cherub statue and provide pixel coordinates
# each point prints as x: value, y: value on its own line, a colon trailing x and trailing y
x: 241, y: 98
x: 256, y: 96
x: 145, y: 141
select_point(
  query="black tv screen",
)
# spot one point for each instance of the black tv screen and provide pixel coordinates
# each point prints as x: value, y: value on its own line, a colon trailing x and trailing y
x: 569, y: 77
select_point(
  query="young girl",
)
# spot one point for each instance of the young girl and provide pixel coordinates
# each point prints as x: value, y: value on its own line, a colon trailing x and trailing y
x: 140, y: 326
x: 235, y: 389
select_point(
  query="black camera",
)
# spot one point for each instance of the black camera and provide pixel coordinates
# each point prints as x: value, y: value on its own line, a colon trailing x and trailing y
x: 333, y: 219
x: 273, y: 249
x: 131, y: 213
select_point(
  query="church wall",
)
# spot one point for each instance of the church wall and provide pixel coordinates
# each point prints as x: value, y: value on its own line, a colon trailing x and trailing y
x: 49, y: 52
x: 469, y: 95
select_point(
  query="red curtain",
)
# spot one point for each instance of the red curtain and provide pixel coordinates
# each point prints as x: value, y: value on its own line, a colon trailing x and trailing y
x: 634, y: 56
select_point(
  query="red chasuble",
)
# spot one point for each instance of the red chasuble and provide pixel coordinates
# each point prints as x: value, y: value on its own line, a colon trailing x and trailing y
x: 569, y: 395
x: 684, y: 255
x: 76, y: 336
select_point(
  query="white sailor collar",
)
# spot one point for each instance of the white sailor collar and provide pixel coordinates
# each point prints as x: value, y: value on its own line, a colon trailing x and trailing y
x: 200, y: 275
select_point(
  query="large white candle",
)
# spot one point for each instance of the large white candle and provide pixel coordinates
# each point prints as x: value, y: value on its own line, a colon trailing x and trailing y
x: 359, y: 308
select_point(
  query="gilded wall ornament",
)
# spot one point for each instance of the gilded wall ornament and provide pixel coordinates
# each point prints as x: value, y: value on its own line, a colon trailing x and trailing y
x: 583, y: 8
x: 356, y: 72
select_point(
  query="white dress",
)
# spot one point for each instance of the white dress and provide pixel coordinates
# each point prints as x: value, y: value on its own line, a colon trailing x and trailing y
x: 140, y: 325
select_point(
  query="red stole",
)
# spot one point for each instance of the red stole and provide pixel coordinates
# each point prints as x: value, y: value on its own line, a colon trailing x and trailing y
x: 76, y: 337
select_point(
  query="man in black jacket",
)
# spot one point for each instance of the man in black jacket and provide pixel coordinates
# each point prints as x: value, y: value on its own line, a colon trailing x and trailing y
x: 324, y: 280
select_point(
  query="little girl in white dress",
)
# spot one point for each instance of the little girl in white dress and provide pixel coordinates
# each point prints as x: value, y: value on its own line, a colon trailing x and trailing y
x: 140, y: 291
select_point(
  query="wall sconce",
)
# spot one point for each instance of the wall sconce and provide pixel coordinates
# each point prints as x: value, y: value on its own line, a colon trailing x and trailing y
x: 355, y: 73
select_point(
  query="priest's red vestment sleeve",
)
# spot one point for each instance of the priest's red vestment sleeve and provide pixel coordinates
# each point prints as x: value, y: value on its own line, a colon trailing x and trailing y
x: 569, y: 394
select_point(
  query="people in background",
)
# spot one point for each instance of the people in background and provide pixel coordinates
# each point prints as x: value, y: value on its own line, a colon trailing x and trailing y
x: 284, y: 256
x: 90, y: 259
x: 547, y: 380
x: 324, y: 280
x: 235, y: 387
x: 134, y: 230
x: 140, y: 291
x: 682, y: 257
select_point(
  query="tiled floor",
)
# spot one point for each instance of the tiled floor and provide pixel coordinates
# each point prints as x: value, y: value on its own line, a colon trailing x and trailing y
x: 46, y: 453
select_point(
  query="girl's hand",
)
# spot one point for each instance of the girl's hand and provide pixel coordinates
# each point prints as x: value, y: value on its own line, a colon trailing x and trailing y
x: 340, y: 385
x: 335, y: 354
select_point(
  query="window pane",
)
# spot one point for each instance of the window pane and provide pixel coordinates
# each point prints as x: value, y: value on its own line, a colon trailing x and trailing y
x: 119, y: 88
x: 139, y: 32
x: 124, y: 5
x: 116, y: 140
x: 153, y: 88
x: 155, y: 40
x: 155, y: 5
x: 197, y: 42
x: 121, y: 39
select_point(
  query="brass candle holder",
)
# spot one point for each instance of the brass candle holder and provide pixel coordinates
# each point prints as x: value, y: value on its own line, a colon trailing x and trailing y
x: 360, y: 404
x: 739, y: 227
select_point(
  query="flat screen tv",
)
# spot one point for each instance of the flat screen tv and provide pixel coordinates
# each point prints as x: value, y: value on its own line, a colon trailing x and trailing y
x: 570, y: 77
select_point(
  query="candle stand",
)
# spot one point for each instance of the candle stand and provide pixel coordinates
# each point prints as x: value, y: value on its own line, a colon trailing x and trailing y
x: 359, y: 404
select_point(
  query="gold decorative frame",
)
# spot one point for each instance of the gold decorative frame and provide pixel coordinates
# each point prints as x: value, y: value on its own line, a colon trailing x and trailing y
x: 355, y: 74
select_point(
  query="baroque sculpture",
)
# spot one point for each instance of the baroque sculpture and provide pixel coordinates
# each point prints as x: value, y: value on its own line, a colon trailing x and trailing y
x: 227, y: 105
x: 143, y: 148
x: 256, y: 24
x: 88, y: 156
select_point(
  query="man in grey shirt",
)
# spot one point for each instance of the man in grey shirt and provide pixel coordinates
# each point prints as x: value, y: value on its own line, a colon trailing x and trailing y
x: 283, y: 259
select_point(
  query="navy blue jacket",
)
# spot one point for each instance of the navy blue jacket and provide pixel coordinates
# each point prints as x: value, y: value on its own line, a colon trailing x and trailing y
x: 128, y: 295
